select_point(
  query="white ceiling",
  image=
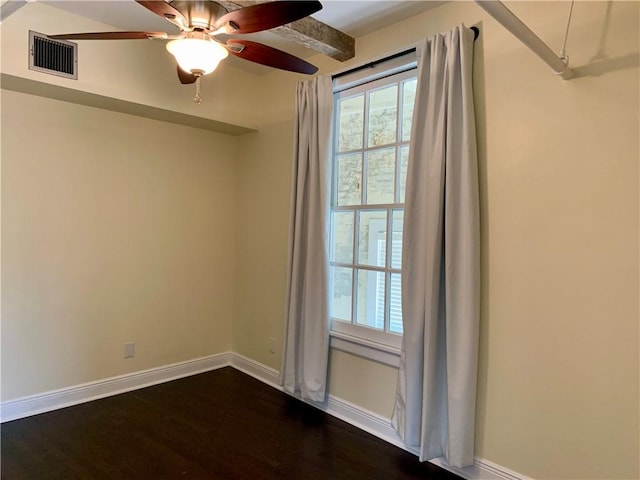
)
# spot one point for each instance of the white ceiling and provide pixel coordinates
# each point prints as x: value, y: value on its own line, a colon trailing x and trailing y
x: 354, y: 17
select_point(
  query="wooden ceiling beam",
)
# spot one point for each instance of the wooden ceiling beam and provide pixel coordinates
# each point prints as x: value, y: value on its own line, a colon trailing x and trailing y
x: 309, y: 33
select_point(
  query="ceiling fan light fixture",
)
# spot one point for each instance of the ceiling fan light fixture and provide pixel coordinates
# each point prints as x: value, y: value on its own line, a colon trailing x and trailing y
x: 197, y: 54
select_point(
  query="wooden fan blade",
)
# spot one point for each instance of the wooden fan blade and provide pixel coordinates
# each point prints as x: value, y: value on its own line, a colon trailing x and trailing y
x: 271, y: 57
x: 186, y: 78
x: 110, y: 36
x: 264, y: 16
x: 165, y: 10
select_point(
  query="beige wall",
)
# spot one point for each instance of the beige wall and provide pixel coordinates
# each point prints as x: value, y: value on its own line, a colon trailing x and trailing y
x: 112, y: 234
x: 261, y: 235
x: 558, y: 392
x: 114, y: 229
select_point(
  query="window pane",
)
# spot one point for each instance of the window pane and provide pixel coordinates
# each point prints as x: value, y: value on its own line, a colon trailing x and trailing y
x: 381, y: 176
x: 372, y: 124
x: 351, y: 123
x: 397, y: 219
x: 370, y: 308
x: 395, y: 303
x: 372, y: 237
x: 408, y: 100
x: 402, y: 181
x: 383, y: 114
x: 342, y: 237
x: 341, y: 293
x: 349, y: 181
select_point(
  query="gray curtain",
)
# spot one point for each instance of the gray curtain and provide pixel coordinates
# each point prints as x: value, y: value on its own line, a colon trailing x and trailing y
x: 435, y: 401
x: 306, y: 352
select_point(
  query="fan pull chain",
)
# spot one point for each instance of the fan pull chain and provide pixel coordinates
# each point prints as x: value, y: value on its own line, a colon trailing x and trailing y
x: 563, y: 53
x: 197, y: 99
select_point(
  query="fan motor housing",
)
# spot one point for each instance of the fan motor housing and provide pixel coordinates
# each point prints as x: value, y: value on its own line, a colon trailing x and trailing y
x: 201, y: 13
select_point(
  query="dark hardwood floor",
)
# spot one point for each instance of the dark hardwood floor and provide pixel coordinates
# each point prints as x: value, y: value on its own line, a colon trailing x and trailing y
x: 217, y: 425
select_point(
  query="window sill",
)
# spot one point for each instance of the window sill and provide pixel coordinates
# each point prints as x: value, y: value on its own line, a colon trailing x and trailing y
x: 377, y: 352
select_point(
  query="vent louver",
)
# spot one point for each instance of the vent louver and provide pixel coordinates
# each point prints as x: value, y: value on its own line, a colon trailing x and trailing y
x: 56, y: 57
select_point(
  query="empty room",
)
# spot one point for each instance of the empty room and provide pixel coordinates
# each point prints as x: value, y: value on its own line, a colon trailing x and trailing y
x: 320, y: 239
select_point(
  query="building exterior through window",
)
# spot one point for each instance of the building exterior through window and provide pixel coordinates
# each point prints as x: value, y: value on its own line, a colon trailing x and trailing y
x: 372, y: 131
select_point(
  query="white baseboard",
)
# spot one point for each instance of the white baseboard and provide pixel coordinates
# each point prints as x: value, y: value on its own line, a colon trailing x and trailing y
x: 359, y: 417
x: 66, y: 397
x: 366, y: 420
x: 257, y: 370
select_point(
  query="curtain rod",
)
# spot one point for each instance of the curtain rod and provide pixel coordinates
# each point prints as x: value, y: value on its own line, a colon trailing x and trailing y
x: 476, y: 34
x: 508, y: 20
x: 372, y: 64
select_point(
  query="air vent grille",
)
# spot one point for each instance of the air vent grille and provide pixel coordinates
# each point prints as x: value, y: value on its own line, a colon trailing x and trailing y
x: 56, y: 57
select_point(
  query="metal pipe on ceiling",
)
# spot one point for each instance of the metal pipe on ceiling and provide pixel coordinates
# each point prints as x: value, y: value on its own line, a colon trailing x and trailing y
x: 508, y: 20
x: 9, y: 7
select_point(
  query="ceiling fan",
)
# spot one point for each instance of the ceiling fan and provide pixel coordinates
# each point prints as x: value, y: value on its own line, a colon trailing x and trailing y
x: 198, y: 48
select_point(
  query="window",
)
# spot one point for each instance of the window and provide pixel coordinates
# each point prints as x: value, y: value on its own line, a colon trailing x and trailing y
x: 371, y: 144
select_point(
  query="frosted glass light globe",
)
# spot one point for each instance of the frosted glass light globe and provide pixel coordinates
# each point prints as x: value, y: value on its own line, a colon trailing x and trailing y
x: 197, y: 55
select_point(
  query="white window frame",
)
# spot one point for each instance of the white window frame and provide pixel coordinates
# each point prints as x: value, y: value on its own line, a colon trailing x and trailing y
x: 377, y: 345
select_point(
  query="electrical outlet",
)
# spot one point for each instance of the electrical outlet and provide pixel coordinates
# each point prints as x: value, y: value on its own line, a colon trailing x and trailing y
x: 272, y: 345
x: 129, y: 350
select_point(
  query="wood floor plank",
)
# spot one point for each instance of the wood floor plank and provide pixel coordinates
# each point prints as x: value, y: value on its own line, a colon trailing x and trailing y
x: 219, y: 425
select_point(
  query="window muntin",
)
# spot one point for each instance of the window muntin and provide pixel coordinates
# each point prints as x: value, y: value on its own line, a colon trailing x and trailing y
x: 373, y: 129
